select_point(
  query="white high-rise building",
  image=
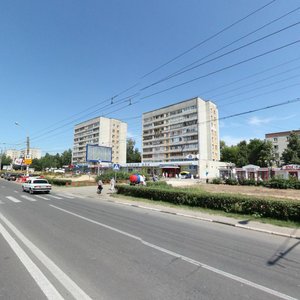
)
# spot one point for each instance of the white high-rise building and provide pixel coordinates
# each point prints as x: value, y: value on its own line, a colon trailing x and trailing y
x: 103, y: 132
x: 33, y: 152
x: 182, y: 131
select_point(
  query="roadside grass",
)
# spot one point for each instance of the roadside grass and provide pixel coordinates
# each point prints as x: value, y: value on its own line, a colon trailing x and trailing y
x: 247, y: 218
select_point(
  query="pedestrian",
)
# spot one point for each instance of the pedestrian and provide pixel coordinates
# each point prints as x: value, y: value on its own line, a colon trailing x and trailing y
x: 112, y: 184
x: 100, y: 186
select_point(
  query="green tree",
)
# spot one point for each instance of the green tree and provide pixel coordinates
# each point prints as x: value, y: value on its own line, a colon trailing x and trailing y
x: 243, y: 154
x: 66, y: 158
x: 266, y: 155
x: 5, y: 160
x: 228, y: 153
x: 291, y: 155
x: 133, y: 154
x: 36, y: 164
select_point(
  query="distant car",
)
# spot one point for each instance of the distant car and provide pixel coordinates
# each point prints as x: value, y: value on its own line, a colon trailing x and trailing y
x: 11, y: 177
x: 185, y: 174
x: 33, y: 185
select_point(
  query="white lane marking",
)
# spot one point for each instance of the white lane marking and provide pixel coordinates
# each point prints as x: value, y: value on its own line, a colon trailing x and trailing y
x: 55, y: 197
x: 16, y: 192
x: 13, y: 199
x: 41, y: 197
x: 45, y: 285
x: 185, y: 258
x: 62, y: 277
x: 28, y: 198
x: 65, y: 196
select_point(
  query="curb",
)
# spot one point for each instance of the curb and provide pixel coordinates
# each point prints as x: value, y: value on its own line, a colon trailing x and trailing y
x: 209, y: 220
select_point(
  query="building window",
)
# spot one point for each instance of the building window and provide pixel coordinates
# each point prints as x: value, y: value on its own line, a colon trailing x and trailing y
x: 275, y: 139
x: 276, y: 147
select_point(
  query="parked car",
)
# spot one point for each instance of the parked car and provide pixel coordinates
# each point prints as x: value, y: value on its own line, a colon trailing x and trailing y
x: 11, y: 177
x: 185, y: 174
x: 33, y: 185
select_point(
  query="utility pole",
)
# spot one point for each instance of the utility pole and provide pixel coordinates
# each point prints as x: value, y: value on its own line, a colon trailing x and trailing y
x: 27, y: 153
x: 1, y: 160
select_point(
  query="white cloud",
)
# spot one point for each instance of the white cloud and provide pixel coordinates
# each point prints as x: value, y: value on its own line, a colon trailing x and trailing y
x: 258, y: 121
x: 231, y: 140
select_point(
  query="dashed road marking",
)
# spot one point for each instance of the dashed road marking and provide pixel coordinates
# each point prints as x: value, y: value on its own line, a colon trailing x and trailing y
x: 66, y: 196
x: 28, y: 198
x: 13, y: 199
x: 55, y: 197
x: 41, y: 197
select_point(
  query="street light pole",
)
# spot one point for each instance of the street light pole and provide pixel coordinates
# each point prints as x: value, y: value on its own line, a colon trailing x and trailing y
x: 27, y: 148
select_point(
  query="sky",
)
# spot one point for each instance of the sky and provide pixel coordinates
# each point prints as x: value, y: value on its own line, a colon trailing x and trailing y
x: 63, y: 62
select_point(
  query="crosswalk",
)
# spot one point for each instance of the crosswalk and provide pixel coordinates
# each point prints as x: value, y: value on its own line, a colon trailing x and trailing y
x: 19, y: 197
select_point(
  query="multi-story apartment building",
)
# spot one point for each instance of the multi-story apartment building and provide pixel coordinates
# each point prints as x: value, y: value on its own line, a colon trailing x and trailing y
x: 280, y: 141
x: 15, y: 154
x: 103, y: 132
x: 185, y: 130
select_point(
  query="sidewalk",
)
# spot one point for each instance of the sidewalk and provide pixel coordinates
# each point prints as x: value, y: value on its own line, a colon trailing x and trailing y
x: 90, y: 191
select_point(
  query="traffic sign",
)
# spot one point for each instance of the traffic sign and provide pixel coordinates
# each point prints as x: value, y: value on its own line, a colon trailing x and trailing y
x: 27, y: 161
x: 116, y: 167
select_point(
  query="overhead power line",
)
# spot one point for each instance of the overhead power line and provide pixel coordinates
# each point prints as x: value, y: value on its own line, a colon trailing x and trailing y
x: 222, y: 69
x: 207, y: 39
x: 221, y: 55
x: 111, y: 99
x: 256, y: 110
x: 233, y: 42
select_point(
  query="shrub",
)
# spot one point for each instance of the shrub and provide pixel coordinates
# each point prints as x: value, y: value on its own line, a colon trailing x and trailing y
x: 277, y: 209
x: 60, y: 182
x: 158, y: 184
x: 231, y: 181
x: 216, y: 180
x: 244, y: 181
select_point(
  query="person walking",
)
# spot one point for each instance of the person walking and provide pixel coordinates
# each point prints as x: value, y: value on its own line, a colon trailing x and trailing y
x: 112, y: 184
x: 100, y: 186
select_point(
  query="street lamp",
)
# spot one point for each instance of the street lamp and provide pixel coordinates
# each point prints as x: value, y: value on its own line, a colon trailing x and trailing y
x: 27, y: 147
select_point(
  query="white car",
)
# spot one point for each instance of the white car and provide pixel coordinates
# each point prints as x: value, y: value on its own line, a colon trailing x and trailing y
x: 33, y: 185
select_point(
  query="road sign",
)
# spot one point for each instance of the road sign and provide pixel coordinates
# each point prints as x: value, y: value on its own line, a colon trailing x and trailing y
x: 27, y: 160
x: 116, y: 167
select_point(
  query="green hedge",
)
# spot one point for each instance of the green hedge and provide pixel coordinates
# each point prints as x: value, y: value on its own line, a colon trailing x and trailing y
x: 280, y: 183
x: 55, y: 181
x: 158, y: 184
x: 263, y: 207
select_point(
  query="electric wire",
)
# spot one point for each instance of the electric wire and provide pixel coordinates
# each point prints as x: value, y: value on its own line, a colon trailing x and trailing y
x: 221, y: 69
x: 208, y: 39
x: 197, y: 45
x: 222, y: 55
x: 235, y: 41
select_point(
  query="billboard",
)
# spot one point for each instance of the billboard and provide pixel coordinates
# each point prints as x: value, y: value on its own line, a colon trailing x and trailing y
x: 95, y: 153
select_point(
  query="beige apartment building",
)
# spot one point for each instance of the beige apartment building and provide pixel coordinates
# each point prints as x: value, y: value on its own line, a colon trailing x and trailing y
x: 280, y: 141
x: 103, y: 132
x: 15, y: 154
x: 182, y: 131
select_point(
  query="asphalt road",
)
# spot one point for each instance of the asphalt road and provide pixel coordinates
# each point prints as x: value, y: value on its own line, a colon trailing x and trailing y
x: 60, y: 246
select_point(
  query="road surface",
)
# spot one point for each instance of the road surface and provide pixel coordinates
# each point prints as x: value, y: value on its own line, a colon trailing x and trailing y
x: 62, y: 246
